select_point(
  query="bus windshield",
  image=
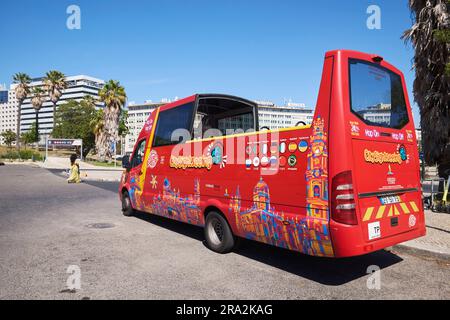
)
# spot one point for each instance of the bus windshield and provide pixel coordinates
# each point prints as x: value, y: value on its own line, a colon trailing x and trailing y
x: 376, y: 95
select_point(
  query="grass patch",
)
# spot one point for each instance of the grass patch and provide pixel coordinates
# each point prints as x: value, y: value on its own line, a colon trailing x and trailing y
x: 104, y: 164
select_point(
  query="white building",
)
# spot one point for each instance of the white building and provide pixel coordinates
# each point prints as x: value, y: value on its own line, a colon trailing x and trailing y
x: 77, y: 88
x: 278, y: 117
x: 380, y: 113
x: 137, y: 115
x: 8, y: 111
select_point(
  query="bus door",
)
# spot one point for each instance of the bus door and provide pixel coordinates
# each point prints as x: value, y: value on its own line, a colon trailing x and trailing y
x: 385, y: 153
x: 137, y: 175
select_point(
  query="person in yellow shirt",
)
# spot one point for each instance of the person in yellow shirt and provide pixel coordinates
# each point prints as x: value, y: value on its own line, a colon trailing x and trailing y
x: 74, y: 174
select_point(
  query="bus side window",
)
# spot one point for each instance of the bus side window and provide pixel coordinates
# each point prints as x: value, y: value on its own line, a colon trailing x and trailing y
x: 178, y: 118
x: 217, y: 117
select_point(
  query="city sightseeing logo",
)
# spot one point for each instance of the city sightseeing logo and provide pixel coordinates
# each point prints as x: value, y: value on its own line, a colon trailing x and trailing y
x: 189, y: 162
x: 380, y: 157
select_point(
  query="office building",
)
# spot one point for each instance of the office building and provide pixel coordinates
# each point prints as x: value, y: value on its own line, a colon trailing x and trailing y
x: 8, y: 111
x: 77, y: 88
x: 278, y: 117
x: 380, y: 113
x: 137, y: 115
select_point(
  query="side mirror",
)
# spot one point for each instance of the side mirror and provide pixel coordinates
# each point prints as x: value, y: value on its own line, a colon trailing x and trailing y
x: 126, y: 163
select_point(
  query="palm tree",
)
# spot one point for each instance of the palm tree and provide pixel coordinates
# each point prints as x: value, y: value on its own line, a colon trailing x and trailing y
x: 89, y: 101
x: 114, y: 97
x: 98, y: 128
x: 55, y: 83
x: 21, y: 90
x: 432, y: 83
x: 37, y: 101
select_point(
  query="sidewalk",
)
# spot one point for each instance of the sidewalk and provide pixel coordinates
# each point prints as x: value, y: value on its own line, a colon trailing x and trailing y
x: 88, y: 171
x: 436, y: 244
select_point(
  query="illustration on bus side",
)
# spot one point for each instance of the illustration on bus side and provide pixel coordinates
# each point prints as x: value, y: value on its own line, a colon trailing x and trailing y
x: 309, y: 235
x: 261, y: 221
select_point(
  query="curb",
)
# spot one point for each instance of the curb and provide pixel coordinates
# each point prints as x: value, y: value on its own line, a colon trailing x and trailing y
x: 31, y: 164
x: 401, y: 248
x: 100, y: 180
x: 83, y: 179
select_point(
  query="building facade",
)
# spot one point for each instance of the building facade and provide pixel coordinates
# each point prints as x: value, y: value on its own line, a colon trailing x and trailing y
x: 77, y: 88
x: 137, y: 116
x: 3, y: 94
x: 278, y: 117
x: 380, y: 113
x: 8, y: 111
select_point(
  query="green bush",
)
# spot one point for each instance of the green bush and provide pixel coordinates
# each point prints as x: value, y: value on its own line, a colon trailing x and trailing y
x: 13, y: 155
x: 22, y: 154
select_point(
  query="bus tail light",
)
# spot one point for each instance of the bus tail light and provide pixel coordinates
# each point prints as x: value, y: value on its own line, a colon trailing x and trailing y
x: 343, y: 207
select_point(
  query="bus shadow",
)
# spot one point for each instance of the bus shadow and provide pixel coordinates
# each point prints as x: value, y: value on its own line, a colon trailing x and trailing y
x: 327, y: 271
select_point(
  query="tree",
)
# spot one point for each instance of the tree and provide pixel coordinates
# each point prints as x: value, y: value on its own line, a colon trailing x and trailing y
x: 22, y: 89
x: 114, y: 97
x: 429, y: 36
x: 74, y: 121
x: 89, y: 100
x: 37, y: 101
x: 55, y: 83
x: 30, y: 136
x: 123, y: 127
x: 9, y: 137
x: 98, y: 127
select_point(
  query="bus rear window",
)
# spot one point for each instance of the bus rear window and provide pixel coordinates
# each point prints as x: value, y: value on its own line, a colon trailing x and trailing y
x: 376, y: 95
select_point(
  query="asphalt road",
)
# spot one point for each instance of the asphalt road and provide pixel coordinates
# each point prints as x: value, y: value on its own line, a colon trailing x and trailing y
x: 46, y: 225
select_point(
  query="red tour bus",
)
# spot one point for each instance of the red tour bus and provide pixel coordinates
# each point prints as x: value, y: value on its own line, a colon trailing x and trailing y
x: 344, y: 186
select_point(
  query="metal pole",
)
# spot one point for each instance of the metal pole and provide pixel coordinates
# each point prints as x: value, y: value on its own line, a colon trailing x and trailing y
x: 37, y: 131
x: 46, y: 148
x: 81, y: 150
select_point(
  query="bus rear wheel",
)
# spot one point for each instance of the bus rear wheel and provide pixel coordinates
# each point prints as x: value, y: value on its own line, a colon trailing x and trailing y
x: 127, y: 207
x: 218, y: 234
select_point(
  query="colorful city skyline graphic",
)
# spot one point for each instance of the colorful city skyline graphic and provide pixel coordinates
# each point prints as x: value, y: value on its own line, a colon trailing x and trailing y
x: 304, y: 232
x: 308, y: 234
x: 171, y: 204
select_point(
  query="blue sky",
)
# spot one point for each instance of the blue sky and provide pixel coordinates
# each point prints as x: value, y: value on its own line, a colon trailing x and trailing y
x: 257, y: 49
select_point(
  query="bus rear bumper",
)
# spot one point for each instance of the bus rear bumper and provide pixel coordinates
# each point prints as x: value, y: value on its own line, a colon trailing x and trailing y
x: 348, y: 242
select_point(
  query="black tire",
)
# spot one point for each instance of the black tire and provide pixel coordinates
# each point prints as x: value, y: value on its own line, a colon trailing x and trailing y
x: 218, y: 234
x: 127, y: 207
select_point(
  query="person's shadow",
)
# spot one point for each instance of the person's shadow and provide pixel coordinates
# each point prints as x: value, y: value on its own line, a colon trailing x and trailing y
x: 328, y: 271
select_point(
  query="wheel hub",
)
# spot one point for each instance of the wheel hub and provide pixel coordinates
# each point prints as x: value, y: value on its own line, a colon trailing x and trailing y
x: 216, y: 231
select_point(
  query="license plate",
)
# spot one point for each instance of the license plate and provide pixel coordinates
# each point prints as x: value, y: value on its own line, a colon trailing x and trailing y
x: 390, y: 200
x: 374, y: 230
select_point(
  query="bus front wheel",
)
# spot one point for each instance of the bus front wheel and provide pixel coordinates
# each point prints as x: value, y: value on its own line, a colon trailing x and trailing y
x: 218, y: 234
x: 127, y: 207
